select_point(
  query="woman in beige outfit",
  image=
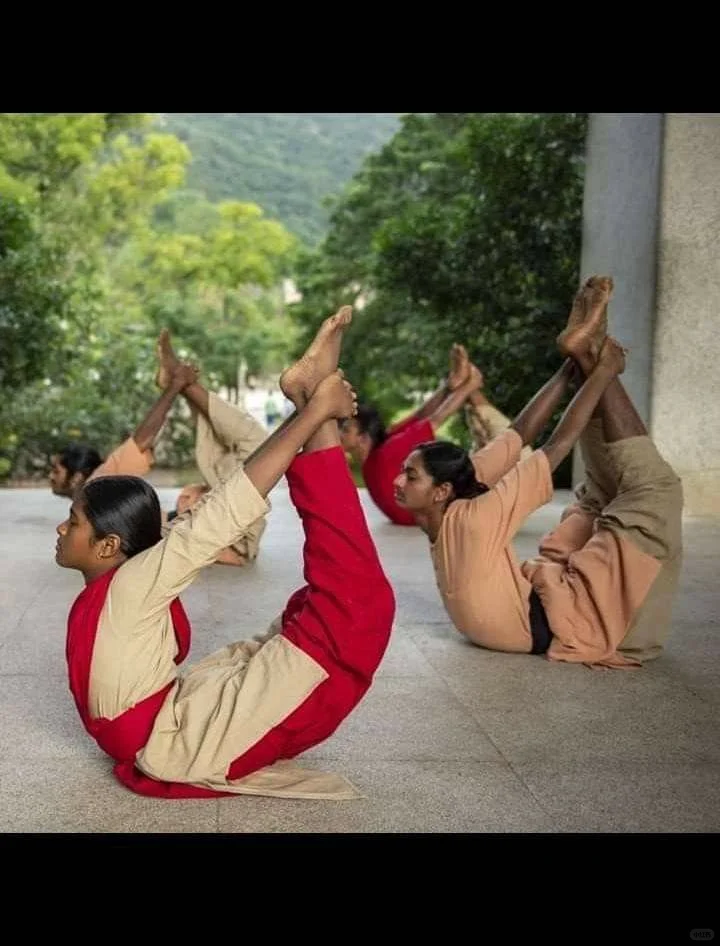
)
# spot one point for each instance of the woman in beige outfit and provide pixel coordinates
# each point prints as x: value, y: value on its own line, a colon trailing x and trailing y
x: 583, y: 598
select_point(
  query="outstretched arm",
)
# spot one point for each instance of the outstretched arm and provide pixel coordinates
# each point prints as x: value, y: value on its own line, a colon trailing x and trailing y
x: 438, y: 397
x: 611, y: 363
x: 533, y: 418
x: 456, y: 399
x: 459, y: 373
x: 149, y: 427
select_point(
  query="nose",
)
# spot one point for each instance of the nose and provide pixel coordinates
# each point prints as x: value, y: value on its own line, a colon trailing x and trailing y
x: 61, y: 529
x: 398, y: 481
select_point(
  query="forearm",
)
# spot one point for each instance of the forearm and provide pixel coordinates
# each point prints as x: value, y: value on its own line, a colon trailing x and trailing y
x: 432, y: 403
x: 452, y: 403
x: 197, y: 396
x: 148, y: 428
x: 577, y: 416
x: 272, y: 458
x: 533, y: 418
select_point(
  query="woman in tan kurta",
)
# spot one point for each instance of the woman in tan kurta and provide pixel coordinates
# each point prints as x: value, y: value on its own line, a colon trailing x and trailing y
x: 78, y: 463
x: 230, y: 723
x: 580, y: 598
x: 225, y: 436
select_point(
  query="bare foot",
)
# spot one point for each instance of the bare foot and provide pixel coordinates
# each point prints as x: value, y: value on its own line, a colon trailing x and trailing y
x: 612, y: 355
x: 167, y: 358
x: 298, y: 382
x: 587, y: 323
x: 584, y: 308
x: 336, y: 396
x: 459, y: 367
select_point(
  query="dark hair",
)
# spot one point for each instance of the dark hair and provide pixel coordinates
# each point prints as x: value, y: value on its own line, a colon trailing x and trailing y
x: 445, y: 462
x: 371, y: 423
x: 79, y: 458
x: 126, y: 506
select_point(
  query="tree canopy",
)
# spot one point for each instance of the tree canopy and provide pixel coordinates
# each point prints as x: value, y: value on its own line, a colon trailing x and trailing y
x: 94, y: 260
x: 465, y: 227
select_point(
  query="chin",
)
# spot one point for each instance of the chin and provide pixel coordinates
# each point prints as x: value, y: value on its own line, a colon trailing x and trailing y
x: 59, y: 559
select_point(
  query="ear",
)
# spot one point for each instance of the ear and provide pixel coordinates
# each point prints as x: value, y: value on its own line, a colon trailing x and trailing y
x: 76, y: 481
x: 108, y: 547
x: 442, y: 493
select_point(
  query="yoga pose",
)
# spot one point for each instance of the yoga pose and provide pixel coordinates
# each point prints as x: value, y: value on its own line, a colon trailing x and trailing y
x: 78, y: 463
x: 231, y: 723
x: 225, y: 436
x: 614, y: 557
x: 381, y: 452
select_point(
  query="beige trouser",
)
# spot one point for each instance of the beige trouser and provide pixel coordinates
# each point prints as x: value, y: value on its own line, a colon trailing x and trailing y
x: 649, y: 514
x: 485, y: 422
x: 222, y: 444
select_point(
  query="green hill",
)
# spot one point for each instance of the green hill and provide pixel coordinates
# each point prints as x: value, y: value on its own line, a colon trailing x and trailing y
x: 286, y: 163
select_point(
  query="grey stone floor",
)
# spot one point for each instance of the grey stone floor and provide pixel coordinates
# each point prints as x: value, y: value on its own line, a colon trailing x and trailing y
x: 450, y: 738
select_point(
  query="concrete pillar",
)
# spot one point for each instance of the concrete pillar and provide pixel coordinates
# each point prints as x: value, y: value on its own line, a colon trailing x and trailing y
x: 651, y: 218
x: 685, y: 418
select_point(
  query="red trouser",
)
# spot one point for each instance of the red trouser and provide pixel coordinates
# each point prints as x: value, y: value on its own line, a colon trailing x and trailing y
x: 342, y: 617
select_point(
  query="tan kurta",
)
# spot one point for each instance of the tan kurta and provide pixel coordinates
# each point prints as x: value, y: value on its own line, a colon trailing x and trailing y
x: 228, y: 701
x: 594, y: 573
x: 125, y: 460
x: 477, y: 570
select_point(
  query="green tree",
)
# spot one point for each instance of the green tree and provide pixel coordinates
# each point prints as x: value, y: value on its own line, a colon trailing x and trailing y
x: 465, y: 227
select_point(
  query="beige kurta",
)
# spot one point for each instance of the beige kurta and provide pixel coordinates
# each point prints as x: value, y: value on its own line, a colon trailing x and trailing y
x: 477, y: 571
x: 228, y: 701
x: 593, y: 575
x: 125, y: 460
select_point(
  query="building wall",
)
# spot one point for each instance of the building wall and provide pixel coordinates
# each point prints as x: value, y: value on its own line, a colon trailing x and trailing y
x: 685, y: 415
x: 652, y: 220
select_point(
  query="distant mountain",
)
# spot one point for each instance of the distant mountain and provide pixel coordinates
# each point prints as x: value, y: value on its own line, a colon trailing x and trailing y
x: 286, y: 163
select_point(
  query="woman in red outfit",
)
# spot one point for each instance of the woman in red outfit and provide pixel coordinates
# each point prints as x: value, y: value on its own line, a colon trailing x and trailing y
x: 227, y: 724
x: 381, y: 452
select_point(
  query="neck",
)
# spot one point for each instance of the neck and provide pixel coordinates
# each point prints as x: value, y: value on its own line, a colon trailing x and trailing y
x: 431, y: 521
x: 90, y: 574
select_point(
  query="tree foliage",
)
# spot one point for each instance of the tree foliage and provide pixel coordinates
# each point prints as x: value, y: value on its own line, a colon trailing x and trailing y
x: 94, y: 260
x: 289, y: 163
x: 464, y: 227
